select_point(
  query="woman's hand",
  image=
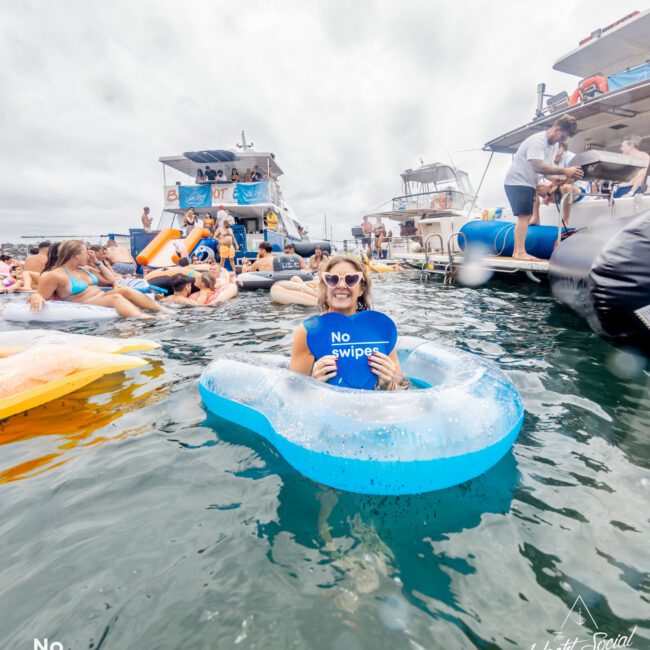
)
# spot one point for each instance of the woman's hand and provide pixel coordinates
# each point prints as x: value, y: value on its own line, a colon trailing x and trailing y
x: 92, y: 258
x: 385, y: 369
x: 325, y: 368
x: 36, y: 303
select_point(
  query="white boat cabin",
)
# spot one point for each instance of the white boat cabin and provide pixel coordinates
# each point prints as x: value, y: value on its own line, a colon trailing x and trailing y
x: 244, y: 182
x: 610, y: 102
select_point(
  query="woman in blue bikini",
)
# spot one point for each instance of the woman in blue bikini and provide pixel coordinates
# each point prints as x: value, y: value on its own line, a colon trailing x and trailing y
x: 73, y: 280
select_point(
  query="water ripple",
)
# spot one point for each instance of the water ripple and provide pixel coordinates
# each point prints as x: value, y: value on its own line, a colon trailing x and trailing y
x: 131, y: 518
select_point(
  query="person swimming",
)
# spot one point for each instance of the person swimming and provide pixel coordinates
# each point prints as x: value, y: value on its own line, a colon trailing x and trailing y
x: 344, y: 288
x: 71, y: 279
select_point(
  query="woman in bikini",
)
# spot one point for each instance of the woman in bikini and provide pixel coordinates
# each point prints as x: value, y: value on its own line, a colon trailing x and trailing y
x: 317, y: 260
x: 73, y: 279
x: 212, y: 290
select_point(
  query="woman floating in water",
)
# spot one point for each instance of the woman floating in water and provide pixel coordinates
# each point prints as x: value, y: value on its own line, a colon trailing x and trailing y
x: 344, y: 289
x: 212, y: 289
x: 72, y: 278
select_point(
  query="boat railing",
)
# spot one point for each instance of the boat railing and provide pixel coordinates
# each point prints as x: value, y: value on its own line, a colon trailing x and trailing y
x: 439, y: 199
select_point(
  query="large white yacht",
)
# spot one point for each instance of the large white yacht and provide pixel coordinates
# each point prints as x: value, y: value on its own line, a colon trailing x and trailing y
x: 611, y: 101
x: 436, y: 199
x: 255, y: 203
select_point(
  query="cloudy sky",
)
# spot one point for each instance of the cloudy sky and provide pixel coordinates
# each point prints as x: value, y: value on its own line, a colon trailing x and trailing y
x: 347, y: 94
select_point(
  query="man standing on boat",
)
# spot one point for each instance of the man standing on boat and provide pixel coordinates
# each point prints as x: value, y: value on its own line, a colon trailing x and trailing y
x: 366, y: 230
x: 147, y: 221
x: 535, y: 157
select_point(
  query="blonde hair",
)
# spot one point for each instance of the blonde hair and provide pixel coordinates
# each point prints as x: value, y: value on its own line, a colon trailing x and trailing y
x: 634, y: 140
x: 363, y: 301
x: 209, y: 279
x: 67, y: 250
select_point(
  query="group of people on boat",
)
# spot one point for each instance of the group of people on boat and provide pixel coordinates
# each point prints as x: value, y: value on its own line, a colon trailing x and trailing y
x: 541, y: 171
x: 219, y: 228
x: 380, y: 235
x: 209, y: 175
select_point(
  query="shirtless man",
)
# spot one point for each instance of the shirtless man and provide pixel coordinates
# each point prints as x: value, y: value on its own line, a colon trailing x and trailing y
x: 147, y: 221
x: 120, y: 259
x: 37, y: 262
x: 264, y: 261
x: 290, y: 249
x: 366, y: 229
x: 630, y: 147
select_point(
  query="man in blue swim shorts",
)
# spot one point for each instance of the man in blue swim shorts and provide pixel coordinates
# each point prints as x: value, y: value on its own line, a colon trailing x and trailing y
x: 120, y: 259
x: 535, y: 156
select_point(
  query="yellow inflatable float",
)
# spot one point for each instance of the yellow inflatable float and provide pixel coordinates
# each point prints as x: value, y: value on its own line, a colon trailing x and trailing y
x: 15, y: 341
x: 378, y: 267
x: 38, y: 366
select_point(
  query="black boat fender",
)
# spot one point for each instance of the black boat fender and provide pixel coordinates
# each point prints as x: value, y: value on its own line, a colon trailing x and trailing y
x: 603, y: 273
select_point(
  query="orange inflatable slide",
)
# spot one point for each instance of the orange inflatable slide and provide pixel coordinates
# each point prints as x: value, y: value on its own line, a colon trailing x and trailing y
x: 165, y: 248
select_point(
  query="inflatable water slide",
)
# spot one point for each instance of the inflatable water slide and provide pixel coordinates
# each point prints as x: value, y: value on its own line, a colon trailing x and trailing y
x: 167, y: 248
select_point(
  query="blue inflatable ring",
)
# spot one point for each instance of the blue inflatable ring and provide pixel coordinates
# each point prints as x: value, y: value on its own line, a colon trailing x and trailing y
x: 461, y: 420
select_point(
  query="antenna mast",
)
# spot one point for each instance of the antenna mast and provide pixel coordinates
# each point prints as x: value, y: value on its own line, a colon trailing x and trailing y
x: 244, y: 146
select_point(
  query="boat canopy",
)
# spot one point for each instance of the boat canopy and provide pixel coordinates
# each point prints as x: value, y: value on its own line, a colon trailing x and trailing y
x: 217, y: 156
x: 429, y: 191
x: 436, y: 177
x: 619, y: 46
x: 225, y: 159
x: 432, y: 173
x: 603, y: 121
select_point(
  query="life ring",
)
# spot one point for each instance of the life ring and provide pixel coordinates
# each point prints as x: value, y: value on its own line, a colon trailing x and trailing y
x: 463, y: 418
x: 288, y: 292
x: 595, y: 81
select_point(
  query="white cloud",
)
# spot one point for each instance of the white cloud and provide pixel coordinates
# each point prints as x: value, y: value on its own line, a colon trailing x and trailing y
x: 344, y: 93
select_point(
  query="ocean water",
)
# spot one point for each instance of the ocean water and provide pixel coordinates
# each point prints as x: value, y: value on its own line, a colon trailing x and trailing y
x: 131, y: 518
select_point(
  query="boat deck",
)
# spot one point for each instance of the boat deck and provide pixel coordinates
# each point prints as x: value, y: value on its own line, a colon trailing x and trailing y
x: 438, y: 262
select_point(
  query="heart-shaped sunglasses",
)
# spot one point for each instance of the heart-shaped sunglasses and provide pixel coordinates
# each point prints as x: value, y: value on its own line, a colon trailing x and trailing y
x: 351, y: 280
